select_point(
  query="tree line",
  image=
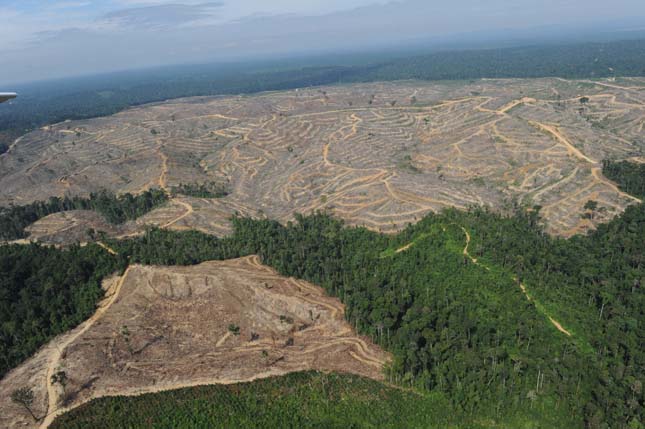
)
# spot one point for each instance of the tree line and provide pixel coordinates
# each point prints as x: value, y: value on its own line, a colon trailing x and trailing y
x: 115, y: 209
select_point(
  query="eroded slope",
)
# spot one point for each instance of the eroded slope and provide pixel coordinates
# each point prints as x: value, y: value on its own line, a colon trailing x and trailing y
x: 379, y: 155
x: 164, y: 328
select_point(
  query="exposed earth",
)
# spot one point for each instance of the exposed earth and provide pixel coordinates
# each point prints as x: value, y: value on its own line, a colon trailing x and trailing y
x: 165, y: 328
x: 380, y: 155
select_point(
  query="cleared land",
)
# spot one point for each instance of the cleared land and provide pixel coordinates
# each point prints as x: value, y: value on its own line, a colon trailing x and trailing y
x: 379, y: 155
x: 166, y: 328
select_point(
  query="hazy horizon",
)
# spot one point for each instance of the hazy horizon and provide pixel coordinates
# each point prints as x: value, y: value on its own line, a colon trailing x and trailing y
x: 77, y: 37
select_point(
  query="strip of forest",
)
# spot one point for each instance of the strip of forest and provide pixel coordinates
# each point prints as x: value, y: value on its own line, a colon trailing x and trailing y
x: 114, y: 209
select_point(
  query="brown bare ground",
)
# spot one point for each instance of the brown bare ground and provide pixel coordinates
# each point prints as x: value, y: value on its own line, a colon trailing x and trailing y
x: 178, y: 335
x: 348, y: 150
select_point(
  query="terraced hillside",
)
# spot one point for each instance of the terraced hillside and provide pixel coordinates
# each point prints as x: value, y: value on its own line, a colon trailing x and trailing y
x: 380, y: 155
x: 166, y: 328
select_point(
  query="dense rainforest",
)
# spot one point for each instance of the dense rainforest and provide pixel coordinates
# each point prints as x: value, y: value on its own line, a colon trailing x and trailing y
x: 115, y: 209
x: 502, y: 321
x: 81, y: 98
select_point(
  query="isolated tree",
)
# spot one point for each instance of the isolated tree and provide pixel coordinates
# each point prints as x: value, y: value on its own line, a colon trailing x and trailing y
x: 24, y: 396
x: 590, y: 207
x: 234, y: 329
x: 125, y: 333
x: 59, y: 377
x: 584, y: 100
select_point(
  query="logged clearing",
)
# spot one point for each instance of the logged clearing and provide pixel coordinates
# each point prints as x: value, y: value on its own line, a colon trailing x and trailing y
x: 380, y: 155
x: 161, y: 328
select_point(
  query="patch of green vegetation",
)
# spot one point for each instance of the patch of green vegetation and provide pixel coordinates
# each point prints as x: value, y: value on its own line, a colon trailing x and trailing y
x: 234, y: 329
x: 630, y: 176
x: 479, y: 181
x: 299, y: 400
x: 201, y: 190
x: 390, y: 252
x: 406, y: 164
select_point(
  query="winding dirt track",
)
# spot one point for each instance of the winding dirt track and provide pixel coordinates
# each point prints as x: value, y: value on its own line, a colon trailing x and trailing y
x: 571, y: 149
x: 554, y: 322
x: 106, y: 247
x: 189, y: 211
x: 53, y: 393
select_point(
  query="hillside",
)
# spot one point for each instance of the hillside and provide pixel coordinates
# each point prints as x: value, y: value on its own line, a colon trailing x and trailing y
x: 507, y: 292
x: 166, y: 328
x: 377, y: 155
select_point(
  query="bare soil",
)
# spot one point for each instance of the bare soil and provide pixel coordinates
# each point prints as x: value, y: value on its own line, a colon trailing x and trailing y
x: 163, y: 328
x: 379, y: 155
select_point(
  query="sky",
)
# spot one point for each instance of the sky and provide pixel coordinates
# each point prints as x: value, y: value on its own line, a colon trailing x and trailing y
x: 41, y: 39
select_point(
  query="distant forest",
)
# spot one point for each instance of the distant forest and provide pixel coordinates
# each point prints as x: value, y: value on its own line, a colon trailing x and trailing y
x: 56, y: 101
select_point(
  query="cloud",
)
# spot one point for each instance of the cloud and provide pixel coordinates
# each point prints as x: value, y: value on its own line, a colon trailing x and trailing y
x: 162, y: 15
x: 123, y: 34
x: 69, y: 5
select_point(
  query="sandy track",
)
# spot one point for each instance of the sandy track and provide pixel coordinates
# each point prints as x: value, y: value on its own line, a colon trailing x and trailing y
x: 189, y: 211
x: 53, y: 393
x: 106, y: 247
x: 522, y: 286
x: 555, y: 132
